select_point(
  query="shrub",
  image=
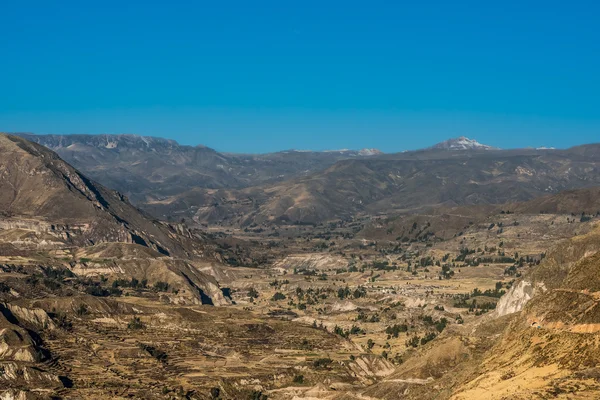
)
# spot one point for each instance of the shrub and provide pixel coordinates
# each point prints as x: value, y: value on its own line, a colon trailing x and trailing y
x: 278, y: 296
x: 322, y: 362
x: 161, y: 286
x: 82, y: 310
x: 136, y: 324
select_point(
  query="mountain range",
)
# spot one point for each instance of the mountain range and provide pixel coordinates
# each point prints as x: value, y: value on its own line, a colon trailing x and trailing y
x: 171, y: 181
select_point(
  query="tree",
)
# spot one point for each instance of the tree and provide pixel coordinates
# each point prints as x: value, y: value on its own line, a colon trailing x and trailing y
x: 370, y: 344
x: 278, y: 296
x: 413, y: 341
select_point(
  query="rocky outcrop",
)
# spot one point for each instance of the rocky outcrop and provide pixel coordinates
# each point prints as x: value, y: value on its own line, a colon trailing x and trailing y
x: 13, y: 394
x: 35, y: 317
x: 187, y: 284
x: 16, y: 344
x: 517, y: 297
x: 371, y: 367
x: 15, y: 373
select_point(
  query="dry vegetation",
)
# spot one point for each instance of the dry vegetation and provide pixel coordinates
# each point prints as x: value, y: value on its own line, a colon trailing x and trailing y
x: 473, y: 302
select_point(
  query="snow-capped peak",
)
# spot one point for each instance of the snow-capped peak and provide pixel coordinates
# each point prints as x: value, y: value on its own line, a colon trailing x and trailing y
x: 369, y: 152
x: 462, y: 143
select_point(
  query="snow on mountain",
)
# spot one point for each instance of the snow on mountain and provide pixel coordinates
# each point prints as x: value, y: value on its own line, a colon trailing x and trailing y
x: 462, y: 143
x: 369, y: 152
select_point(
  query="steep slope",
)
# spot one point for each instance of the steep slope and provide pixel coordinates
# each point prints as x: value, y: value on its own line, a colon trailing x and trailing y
x: 48, y: 206
x: 35, y: 184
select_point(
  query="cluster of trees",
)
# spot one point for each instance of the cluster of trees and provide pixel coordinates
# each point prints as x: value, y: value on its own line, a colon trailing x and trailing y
x: 497, y: 292
x: 439, y: 325
x: 422, y: 340
x: 365, y: 318
x: 474, y: 306
x: 359, y: 292
x: 395, y: 330
x: 321, y: 363
x: 278, y: 296
x: 134, y: 283
x: 136, y: 324
x: 354, y: 330
x: 277, y: 283
x: 99, y: 291
x: 312, y: 296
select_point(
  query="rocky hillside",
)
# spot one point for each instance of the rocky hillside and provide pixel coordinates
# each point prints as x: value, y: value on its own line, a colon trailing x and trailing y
x: 52, y: 215
x: 540, y: 343
x: 42, y: 193
x: 553, y: 341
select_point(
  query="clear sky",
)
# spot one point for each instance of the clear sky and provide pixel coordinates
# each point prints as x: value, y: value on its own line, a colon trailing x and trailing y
x: 259, y: 76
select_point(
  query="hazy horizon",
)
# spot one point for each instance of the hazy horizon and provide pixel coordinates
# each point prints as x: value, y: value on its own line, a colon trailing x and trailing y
x: 300, y: 149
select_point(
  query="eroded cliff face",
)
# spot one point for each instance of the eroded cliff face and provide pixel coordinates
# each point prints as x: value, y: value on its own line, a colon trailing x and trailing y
x: 23, y: 355
x: 16, y: 342
x: 569, y: 264
x: 517, y: 297
x: 117, y: 261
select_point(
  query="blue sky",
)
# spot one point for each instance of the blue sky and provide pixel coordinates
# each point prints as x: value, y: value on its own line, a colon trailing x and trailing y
x: 259, y: 76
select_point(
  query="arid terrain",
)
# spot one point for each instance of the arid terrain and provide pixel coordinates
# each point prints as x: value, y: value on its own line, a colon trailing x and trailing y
x: 356, y: 289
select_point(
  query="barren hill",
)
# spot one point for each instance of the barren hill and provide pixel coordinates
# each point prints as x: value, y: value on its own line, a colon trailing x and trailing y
x: 37, y: 185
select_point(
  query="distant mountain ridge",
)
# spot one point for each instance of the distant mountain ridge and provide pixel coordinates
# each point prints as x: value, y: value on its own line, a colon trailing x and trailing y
x: 172, y: 181
x: 149, y: 169
x: 100, y: 140
x: 395, y: 183
x: 128, y: 140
